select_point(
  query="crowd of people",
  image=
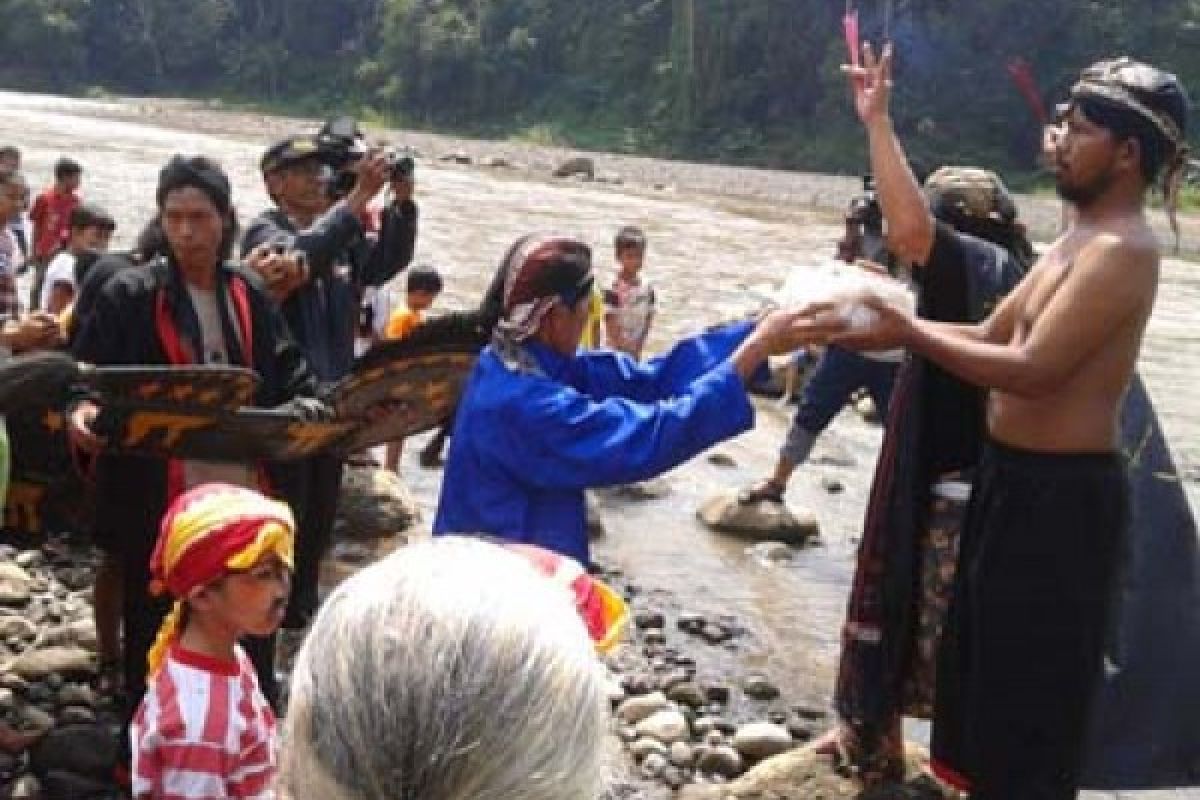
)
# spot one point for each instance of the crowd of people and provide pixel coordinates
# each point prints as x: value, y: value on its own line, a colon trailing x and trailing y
x: 994, y: 531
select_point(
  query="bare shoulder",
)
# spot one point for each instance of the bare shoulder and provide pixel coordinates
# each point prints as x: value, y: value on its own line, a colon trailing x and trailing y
x: 1124, y: 260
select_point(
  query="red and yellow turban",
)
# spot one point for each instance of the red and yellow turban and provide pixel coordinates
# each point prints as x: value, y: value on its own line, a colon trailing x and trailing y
x: 603, y: 611
x: 206, y: 533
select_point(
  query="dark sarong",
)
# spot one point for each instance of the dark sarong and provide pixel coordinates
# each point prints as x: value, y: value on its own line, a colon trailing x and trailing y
x: 1021, y: 655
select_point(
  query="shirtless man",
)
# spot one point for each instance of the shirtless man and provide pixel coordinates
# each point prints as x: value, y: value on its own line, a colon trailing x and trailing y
x: 1041, y: 546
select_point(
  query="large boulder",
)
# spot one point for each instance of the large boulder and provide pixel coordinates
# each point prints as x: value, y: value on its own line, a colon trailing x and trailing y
x: 804, y: 774
x: 374, y: 504
x: 763, y: 521
x: 579, y: 167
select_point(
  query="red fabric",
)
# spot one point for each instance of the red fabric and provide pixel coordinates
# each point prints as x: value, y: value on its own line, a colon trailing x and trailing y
x: 51, y: 214
x: 201, y: 565
x: 204, y: 734
x: 949, y: 777
x: 179, y: 353
x: 1022, y: 75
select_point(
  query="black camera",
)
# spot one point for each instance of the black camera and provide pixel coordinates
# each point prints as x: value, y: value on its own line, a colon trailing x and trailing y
x: 341, y: 144
x: 865, y: 209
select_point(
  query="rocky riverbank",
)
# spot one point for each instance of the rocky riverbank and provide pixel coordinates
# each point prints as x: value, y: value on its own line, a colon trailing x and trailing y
x: 781, y: 189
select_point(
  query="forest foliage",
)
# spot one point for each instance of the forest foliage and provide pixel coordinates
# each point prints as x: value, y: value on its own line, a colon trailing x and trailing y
x: 742, y: 81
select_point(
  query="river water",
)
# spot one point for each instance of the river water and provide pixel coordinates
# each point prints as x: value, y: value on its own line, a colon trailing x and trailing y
x: 710, y: 254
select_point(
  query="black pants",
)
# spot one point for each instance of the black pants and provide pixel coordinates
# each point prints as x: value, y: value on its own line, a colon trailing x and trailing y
x: 312, y: 488
x: 1023, y: 647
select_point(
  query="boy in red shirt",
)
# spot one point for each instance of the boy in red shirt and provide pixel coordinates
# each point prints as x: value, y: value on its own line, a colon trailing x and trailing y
x: 204, y: 728
x: 51, y: 215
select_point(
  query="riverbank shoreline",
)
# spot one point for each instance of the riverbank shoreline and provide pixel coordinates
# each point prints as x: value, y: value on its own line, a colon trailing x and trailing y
x: 1042, y: 214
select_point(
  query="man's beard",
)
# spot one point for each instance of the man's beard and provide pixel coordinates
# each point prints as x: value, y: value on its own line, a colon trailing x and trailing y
x: 1084, y: 195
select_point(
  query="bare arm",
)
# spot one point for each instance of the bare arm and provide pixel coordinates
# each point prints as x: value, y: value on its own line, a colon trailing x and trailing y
x: 1111, y: 285
x: 910, y: 225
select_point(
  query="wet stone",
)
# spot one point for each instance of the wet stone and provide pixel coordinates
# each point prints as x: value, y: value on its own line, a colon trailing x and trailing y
x: 646, y: 746
x: 723, y: 761
x: 667, y: 726
x: 759, y: 688
x: 687, y: 694
x: 690, y: 623
x: 636, y: 709
x: 681, y: 754
x: 716, y: 693
x: 650, y: 619
x: 761, y: 740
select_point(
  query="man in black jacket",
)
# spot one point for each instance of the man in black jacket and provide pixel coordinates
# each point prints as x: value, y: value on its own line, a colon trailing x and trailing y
x: 322, y: 307
x: 189, y: 306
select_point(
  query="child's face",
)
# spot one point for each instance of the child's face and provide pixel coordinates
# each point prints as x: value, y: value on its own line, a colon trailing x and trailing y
x: 71, y: 183
x: 630, y: 259
x: 90, y: 238
x: 421, y: 300
x: 252, y: 602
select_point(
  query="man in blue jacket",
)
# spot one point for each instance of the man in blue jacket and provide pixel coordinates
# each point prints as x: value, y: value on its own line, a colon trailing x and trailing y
x: 540, y: 422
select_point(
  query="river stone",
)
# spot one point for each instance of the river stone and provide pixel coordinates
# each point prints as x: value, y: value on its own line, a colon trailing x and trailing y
x: 760, y: 740
x: 723, y: 760
x: 16, y: 628
x: 674, y: 777
x: 653, y: 765
x: 723, y: 460
x: 667, y: 726
x: 28, y: 559
x: 682, y: 755
x: 646, y: 746
x: 771, y: 552
x: 581, y: 166
x: 636, y: 709
x: 76, y: 715
x: 456, y: 157
x: 374, y: 503
x: 39, y: 664
x: 803, y: 774
x: 650, y: 619
x: 764, y: 520
x: 80, y: 633
x: 686, y: 694
x: 15, y: 585
x: 89, y: 750
x: 34, y: 720
x: 759, y: 688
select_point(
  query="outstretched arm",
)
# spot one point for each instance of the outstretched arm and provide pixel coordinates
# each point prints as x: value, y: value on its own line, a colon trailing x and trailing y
x: 910, y: 225
x: 1111, y: 285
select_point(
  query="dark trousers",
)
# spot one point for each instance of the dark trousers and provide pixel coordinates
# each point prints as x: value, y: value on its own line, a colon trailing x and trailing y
x: 1022, y: 652
x: 312, y: 487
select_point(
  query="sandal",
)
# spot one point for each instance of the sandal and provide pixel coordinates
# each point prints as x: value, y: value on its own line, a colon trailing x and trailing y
x: 768, y: 491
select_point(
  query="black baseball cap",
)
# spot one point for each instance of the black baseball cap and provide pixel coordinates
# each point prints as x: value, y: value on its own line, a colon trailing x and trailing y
x: 291, y: 150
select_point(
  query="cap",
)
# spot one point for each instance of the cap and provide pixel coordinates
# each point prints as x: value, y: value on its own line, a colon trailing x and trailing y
x: 291, y: 150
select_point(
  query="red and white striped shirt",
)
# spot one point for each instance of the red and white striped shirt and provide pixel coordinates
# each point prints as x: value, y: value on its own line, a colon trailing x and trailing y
x: 204, y: 730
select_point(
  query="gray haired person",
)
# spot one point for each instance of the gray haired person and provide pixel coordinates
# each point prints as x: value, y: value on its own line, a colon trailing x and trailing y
x: 451, y: 670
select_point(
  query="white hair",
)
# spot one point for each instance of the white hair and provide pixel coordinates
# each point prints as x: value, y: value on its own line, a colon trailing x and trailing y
x: 451, y: 670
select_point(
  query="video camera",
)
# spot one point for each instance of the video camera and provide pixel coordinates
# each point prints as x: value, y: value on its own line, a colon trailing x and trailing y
x: 865, y: 209
x: 341, y: 144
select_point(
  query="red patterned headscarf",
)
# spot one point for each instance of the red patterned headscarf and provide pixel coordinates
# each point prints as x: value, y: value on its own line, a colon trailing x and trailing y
x: 206, y: 533
x: 541, y: 271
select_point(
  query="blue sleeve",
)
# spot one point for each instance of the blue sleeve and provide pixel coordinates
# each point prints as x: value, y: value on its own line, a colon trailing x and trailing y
x: 559, y: 438
x: 604, y: 375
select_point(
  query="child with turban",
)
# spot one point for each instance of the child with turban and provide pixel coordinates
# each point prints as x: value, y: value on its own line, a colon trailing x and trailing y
x: 204, y: 728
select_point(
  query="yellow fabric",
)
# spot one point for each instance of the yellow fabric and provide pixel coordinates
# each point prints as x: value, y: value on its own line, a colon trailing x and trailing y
x: 595, y: 320
x: 199, y: 517
x: 402, y: 323
x: 218, y: 509
x: 616, y: 616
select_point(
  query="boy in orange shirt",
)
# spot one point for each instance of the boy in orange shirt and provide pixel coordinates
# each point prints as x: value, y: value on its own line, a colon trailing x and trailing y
x: 423, y: 286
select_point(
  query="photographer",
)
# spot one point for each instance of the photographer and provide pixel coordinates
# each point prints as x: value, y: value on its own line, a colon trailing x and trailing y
x: 314, y: 251
x: 839, y: 373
